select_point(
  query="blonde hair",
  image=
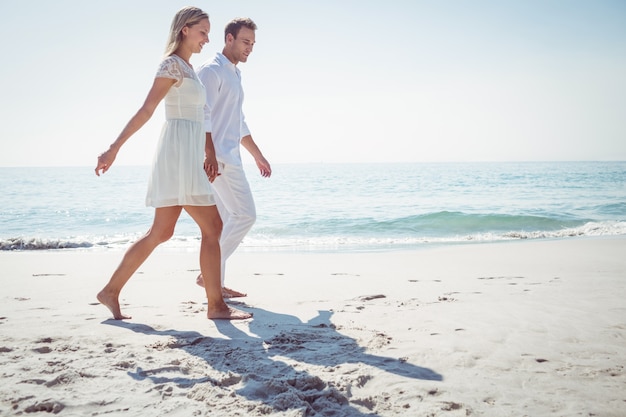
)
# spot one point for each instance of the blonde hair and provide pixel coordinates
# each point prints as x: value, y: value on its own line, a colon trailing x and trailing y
x: 185, y: 17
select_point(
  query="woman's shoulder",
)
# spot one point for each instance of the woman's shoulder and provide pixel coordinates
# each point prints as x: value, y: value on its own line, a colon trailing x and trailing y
x: 168, y: 58
x: 171, y: 61
x: 170, y: 67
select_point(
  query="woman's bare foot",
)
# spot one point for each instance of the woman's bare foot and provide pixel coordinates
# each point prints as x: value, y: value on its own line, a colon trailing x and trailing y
x: 226, y: 292
x: 112, y: 303
x: 228, y: 313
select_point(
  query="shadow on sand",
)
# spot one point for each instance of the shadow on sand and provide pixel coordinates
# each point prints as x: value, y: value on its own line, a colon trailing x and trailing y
x: 265, y: 368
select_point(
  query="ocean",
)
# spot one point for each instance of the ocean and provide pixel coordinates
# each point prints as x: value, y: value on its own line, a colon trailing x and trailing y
x: 329, y: 207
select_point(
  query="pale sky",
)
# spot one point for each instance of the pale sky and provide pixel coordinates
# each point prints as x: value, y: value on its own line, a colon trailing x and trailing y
x: 330, y: 80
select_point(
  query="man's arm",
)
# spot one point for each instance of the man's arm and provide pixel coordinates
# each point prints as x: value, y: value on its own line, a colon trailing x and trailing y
x: 209, y: 79
x: 264, y: 167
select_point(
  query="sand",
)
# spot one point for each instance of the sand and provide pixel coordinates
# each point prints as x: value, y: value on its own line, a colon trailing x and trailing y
x: 530, y: 328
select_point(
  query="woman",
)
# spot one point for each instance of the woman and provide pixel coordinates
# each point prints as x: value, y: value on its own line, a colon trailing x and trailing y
x: 183, y: 166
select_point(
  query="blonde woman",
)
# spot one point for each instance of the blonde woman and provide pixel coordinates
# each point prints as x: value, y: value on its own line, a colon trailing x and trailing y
x: 183, y: 166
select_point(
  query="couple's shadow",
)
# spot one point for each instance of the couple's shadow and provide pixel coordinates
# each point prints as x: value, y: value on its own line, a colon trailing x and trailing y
x: 265, y: 366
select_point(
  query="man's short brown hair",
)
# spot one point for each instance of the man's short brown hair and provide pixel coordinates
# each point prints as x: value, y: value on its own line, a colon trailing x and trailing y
x: 234, y: 26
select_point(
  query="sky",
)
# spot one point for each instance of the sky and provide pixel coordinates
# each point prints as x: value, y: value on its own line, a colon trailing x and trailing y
x: 332, y: 81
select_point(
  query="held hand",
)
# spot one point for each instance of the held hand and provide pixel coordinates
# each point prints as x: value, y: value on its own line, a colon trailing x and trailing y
x: 211, y: 168
x: 105, y: 160
x: 264, y: 167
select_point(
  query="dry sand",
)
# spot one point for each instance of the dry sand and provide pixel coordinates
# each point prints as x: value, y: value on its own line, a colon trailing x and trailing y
x: 533, y: 328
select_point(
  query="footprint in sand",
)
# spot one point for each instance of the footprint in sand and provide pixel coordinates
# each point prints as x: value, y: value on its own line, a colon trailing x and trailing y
x: 371, y: 297
x: 616, y: 371
x: 35, y: 381
x: 44, y: 349
x: 434, y: 392
x: 229, y: 380
x: 47, y: 406
x: 505, y: 278
x: 379, y: 340
x: 451, y: 406
x: 48, y: 275
x: 124, y: 365
x: 191, y: 307
x: 64, y: 379
x: 109, y: 348
x: 45, y: 340
x: 368, y: 402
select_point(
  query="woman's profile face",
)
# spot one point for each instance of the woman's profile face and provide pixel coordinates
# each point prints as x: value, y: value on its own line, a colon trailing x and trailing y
x: 196, y: 36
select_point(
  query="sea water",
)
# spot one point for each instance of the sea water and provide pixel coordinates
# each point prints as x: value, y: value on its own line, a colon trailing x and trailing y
x: 328, y: 207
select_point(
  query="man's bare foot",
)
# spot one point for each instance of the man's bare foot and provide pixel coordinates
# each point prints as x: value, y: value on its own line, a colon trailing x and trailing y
x: 228, y: 314
x: 230, y: 293
x: 226, y: 292
x: 112, y: 303
x: 200, y: 280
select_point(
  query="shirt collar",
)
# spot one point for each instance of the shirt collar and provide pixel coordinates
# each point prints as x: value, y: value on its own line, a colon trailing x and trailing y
x: 225, y: 61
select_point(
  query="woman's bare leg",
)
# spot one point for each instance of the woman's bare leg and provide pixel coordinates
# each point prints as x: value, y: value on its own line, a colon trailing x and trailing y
x: 208, y: 219
x: 162, y: 229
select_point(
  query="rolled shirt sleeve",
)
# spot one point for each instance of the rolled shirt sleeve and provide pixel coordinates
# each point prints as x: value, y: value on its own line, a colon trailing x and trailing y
x: 244, y: 128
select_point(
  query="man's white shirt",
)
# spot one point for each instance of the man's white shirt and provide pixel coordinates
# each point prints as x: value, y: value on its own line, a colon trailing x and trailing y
x: 223, y: 112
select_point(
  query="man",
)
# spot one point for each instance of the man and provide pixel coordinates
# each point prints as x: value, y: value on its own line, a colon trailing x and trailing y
x: 225, y: 125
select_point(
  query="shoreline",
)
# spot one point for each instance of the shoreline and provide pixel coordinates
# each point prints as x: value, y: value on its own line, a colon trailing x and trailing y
x: 521, y: 328
x: 175, y: 247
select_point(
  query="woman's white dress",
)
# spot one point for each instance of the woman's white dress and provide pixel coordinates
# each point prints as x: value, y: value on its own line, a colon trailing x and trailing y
x: 178, y: 177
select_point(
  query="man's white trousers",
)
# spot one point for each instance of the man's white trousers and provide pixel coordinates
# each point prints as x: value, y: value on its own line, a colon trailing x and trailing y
x: 236, y: 207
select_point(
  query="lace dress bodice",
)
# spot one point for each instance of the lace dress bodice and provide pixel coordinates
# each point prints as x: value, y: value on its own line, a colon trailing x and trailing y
x: 186, y: 99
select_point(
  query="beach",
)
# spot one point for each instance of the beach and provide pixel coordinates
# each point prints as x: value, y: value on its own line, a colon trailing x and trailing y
x: 526, y: 328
